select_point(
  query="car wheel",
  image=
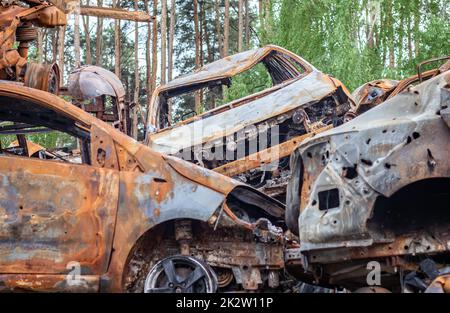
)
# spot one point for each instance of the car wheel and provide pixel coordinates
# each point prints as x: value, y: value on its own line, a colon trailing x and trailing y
x: 181, y: 274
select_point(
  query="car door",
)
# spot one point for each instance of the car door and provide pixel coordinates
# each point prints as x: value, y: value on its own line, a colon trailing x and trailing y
x: 55, y: 211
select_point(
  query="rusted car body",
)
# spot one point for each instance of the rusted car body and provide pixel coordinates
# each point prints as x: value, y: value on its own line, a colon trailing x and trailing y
x: 371, y: 94
x: 94, y: 84
x: 124, y: 213
x: 377, y: 189
x: 250, y: 138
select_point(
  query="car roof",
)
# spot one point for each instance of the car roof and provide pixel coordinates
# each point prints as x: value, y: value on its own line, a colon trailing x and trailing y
x: 228, y: 67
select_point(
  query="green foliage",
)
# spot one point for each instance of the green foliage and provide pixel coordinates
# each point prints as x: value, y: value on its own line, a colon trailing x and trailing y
x: 249, y: 82
x: 333, y: 35
x: 48, y: 140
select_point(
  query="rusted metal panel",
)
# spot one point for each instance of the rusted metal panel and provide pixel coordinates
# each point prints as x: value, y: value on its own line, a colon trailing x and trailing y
x: 440, y: 285
x: 356, y: 181
x: 49, y: 283
x: 53, y: 213
x: 375, y: 92
x: 93, y: 83
x: 386, y: 128
x: 228, y: 67
x: 89, y: 81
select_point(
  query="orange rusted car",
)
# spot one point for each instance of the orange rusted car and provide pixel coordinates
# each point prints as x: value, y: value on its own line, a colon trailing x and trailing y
x: 122, y: 217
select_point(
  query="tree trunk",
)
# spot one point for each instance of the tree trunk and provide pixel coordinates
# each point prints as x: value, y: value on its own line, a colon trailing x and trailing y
x: 171, y: 36
x: 99, y: 38
x: 40, y: 42
x: 54, y: 45
x: 226, y: 28
x: 410, y: 48
x: 240, y: 25
x: 209, y: 51
x: 373, y: 13
x: 61, y: 40
x: 154, y: 46
x: 218, y: 28
x: 148, y: 77
x: 117, y: 53
x: 163, y: 40
x: 88, y: 37
x: 390, y: 34
x: 416, y: 27
x: 134, y: 129
x: 197, y: 54
x: 76, y: 36
x: 261, y: 17
x: 247, y: 25
x: 268, y: 20
x: 170, y: 53
x: 200, y: 29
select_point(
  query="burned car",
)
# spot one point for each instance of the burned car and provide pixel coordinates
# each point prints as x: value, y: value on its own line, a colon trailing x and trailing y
x: 374, y: 193
x: 252, y: 137
x: 122, y: 217
x: 371, y: 94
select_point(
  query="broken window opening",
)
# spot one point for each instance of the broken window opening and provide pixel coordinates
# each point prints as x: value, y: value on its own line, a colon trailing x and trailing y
x: 29, y: 130
x: 263, y: 77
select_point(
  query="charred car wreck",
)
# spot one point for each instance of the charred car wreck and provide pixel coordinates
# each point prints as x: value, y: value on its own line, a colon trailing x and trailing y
x: 375, y: 92
x: 19, y: 21
x: 250, y: 138
x: 377, y: 189
x: 123, y: 217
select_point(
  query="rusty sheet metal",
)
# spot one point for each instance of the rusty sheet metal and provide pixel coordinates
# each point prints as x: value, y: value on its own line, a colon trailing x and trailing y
x: 301, y: 100
x: 380, y: 136
x: 305, y: 90
x: 19, y: 23
x: 265, y: 156
x: 89, y: 81
x: 55, y: 213
x: 31, y: 149
x: 93, y: 83
x: 376, y: 187
x: 228, y: 67
x: 372, y: 93
x: 49, y: 283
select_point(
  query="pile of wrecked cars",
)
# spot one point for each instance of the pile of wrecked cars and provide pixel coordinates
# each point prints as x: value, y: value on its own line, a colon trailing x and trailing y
x: 116, y: 215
